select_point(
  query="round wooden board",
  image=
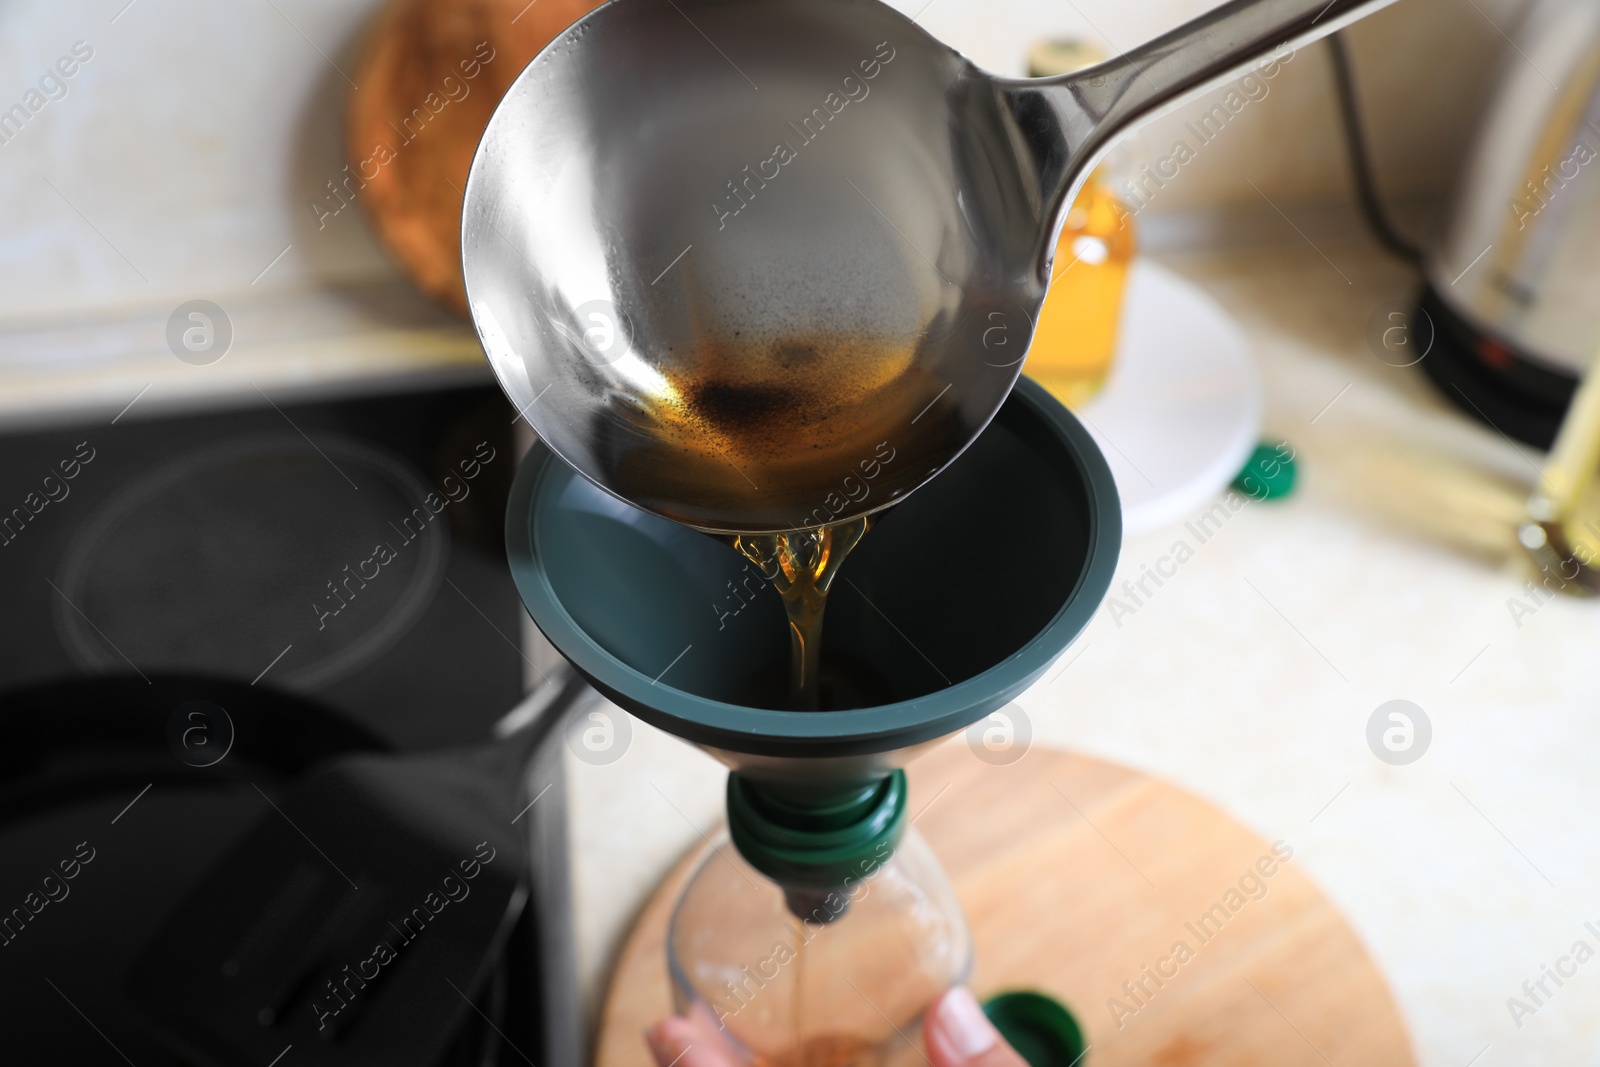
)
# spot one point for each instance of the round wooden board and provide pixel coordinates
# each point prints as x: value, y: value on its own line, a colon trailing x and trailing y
x: 1076, y: 875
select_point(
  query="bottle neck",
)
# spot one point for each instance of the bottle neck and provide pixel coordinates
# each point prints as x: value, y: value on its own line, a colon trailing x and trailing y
x: 818, y: 841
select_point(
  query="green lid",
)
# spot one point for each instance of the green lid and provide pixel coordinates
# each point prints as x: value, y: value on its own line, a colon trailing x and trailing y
x: 822, y: 840
x: 1269, y: 475
x: 1039, y: 1027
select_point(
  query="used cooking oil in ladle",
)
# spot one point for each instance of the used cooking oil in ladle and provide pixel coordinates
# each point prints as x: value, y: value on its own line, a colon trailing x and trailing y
x: 802, y: 565
x: 747, y: 418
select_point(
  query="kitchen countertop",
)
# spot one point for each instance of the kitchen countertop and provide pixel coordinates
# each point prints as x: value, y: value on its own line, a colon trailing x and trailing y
x: 1249, y: 678
x: 314, y: 343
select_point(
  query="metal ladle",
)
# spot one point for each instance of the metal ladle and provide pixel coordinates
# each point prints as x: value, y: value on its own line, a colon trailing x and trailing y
x: 762, y: 265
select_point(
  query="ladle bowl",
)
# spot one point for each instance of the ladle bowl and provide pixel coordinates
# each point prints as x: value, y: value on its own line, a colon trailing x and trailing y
x: 724, y: 256
x: 957, y: 601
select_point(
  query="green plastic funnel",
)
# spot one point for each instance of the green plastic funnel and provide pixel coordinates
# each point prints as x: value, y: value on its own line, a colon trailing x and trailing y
x: 957, y: 600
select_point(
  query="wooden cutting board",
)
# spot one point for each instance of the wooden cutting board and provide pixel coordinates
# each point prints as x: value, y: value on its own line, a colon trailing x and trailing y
x: 431, y: 74
x: 1076, y: 876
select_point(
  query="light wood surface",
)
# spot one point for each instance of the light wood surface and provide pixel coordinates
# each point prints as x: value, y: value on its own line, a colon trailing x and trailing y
x: 1076, y: 875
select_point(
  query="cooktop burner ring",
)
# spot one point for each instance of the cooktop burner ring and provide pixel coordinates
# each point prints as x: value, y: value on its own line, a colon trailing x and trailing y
x: 307, y: 532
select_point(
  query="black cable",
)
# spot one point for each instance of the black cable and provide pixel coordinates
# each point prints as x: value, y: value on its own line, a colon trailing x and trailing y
x: 1360, y: 161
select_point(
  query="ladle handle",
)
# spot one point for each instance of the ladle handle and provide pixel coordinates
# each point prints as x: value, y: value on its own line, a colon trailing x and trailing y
x: 1116, y: 95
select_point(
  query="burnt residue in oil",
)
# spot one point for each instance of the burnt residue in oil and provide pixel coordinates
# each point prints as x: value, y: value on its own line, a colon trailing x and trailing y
x: 769, y: 428
x: 756, y: 401
x: 742, y: 409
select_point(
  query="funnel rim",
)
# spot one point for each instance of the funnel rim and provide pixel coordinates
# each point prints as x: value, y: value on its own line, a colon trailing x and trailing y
x: 858, y: 731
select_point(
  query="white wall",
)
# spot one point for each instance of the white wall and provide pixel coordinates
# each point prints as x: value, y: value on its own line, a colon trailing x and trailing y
x: 196, y: 136
x: 192, y: 141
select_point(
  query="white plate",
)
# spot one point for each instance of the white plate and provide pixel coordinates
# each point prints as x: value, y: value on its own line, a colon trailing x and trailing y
x: 1181, y: 411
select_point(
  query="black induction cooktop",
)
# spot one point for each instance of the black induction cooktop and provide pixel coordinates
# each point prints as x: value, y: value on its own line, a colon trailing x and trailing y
x: 334, y: 573
x: 350, y: 551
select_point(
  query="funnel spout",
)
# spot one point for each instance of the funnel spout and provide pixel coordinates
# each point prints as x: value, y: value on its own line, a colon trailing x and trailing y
x: 820, y: 841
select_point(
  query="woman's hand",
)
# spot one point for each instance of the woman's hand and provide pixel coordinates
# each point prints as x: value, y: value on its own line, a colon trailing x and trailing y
x: 958, y: 1034
x: 955, y: 1032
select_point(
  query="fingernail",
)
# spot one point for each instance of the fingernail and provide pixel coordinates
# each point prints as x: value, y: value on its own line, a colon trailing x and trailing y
x: 657, y: 1041
x: 964, y: 1023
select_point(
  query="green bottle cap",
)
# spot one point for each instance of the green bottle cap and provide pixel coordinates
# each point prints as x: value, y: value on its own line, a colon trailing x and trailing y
x: 1039, y: 1027
x: 1269, y: 474
x: 824, y: 840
